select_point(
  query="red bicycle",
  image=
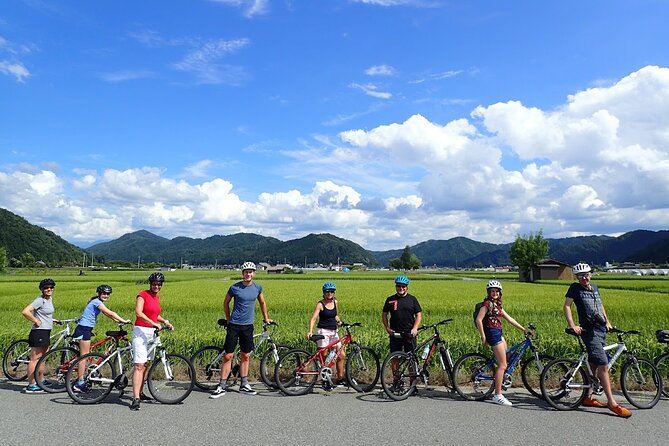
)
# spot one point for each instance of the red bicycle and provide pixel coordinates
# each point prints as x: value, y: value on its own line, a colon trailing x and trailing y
x: 297, y: 371
x: 55, y: 363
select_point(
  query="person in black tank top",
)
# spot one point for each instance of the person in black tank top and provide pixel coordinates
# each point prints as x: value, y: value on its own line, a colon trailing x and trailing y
x: 328, y: 320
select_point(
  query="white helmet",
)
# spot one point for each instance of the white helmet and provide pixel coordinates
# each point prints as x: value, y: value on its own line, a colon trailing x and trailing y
x: 248, y: 265
x: 581, y: 268
x: 494, y: 284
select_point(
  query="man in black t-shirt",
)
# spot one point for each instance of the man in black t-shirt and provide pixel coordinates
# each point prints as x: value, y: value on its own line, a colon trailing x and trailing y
x: 405, y: 316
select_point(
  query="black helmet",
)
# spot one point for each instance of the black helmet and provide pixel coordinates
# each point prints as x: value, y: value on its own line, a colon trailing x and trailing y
x: 104, y: 289
x: 157, y: 277
x: 45, y: 283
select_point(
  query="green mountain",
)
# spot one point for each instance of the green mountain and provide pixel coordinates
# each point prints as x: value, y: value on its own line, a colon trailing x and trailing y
x: 20, y: 237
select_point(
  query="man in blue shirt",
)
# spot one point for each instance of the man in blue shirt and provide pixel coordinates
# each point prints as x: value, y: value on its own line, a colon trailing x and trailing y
x: 240, y: 328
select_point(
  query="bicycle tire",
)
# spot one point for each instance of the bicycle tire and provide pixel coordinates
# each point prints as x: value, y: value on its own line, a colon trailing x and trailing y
x: 15, y: 360
x: 662, y: 366
x: 641, y: 383
x: 172, y: 381
x: 294, y: 374
x: 98, y: 377
x: 362, y: 368
x: 473, y: 377
x: 556, y: 381
x: 268, y: 363
x: 54, y: 365
x: 207, y: 372
x: 530, y: 373
x: 399, y: 374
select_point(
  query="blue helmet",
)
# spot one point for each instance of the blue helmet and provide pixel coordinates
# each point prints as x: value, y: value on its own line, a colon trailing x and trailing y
x: 401, y: 280
x: 329, y: 286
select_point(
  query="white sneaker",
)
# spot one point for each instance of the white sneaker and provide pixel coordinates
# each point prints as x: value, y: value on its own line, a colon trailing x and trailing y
x: 218, y: 392
x: 501, y: 400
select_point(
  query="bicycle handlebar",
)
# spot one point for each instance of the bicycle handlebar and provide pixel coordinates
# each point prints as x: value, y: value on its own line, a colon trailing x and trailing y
x: 65, y: 321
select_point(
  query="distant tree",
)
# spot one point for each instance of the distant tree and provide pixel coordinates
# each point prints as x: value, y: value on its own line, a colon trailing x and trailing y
x: 15, y: 263
x: 28, y: 260
x: 406, y: 261
x: 395, y: 263
x: 3, y: 258
x: 527, y: 251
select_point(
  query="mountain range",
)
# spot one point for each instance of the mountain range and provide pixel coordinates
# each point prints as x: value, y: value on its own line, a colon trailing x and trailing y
x: 18, y: 236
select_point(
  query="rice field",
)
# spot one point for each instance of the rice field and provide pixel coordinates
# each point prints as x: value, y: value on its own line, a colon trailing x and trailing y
x: 193, y: 302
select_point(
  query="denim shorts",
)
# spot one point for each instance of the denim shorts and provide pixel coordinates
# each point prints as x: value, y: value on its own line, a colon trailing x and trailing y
x: 493, y: 336
x: 595, y: 340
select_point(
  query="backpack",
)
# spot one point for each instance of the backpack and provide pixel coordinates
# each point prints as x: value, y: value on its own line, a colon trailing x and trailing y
x: 477, y: 308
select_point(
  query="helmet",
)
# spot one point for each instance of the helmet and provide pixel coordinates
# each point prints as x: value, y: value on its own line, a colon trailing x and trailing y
x: 401, y: 280
x: 494, y: 284
x: 105, y: 289
x: 329, y: 286
x: 248, y: 265
x: 581, y: 268
x: 157, y: 277
x: 46, y: 282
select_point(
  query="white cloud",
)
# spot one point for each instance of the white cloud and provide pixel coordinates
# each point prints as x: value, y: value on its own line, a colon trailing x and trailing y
x: 380, y: 70
x: 204, y: 62
x: 371, y: 90
x: 250, y: 8
x: 125, y: 75
x: 16, y: 69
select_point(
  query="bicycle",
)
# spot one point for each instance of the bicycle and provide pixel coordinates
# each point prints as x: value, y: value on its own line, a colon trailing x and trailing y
x: 662, y: 363
x: 565, y: 382
x: 207, y: 361
x: 401, y: 370
x: 474, y: 373
x: 17, y: 356
x: 56, y: 362
x: 170, y: 378
x: 297, y: 371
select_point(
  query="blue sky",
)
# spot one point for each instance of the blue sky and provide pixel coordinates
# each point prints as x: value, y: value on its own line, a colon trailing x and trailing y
x: 386, y: 122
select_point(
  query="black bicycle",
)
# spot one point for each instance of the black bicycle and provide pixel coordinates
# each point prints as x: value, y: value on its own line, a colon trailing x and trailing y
x: 402, y: 370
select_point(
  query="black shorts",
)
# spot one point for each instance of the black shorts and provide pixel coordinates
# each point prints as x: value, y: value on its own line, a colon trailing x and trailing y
x: 39, y: 338
x: 399, y: 344
x: 83, y: 333
x: 241, y: 333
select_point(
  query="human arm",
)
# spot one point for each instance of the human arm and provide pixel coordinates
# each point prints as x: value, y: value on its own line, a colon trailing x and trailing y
x: 263, y: 308
x: 226, y: 306
x: 608, y: 324
x: 568, y: 315
x: 384, y: 319
x: 28, y: 313
x: 479, y: 322
x: 512, y: 321
x: 416, y: 324
x: 164, y: 321
x: 312, y: 321
x: 112, y: 315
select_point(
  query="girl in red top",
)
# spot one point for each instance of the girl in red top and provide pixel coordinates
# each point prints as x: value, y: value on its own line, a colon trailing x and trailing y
x: 489, y: 324
x: 147, y: 309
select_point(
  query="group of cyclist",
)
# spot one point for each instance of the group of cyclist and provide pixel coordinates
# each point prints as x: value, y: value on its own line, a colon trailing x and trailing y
x: 401, y: 315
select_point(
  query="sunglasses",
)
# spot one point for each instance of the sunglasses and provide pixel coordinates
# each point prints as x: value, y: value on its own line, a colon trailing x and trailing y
x: 329, y: 291
x: 156, y: 284
x: 400, y: 286
x: 48, y: 288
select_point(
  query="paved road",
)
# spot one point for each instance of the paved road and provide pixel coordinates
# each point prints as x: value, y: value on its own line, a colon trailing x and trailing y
x: 340, y: 417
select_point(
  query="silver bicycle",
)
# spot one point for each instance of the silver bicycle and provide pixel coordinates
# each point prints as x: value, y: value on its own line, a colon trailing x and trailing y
x: 170, y: 378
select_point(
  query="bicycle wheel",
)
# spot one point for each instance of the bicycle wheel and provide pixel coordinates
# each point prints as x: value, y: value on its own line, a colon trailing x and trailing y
x: 15, y: 360
x: 641, y: 383
x: 98, y: 378
x: 473, y: 377
x: 563, y: 385
x: 530, y: 372
x: 171, y: 380
x: 207, y: 365
x: 362, y: 368
x: 294, y: 375
x: 399, y: 374
x: 268, y: 363
x: 54, y: 365
x: 662, y: 366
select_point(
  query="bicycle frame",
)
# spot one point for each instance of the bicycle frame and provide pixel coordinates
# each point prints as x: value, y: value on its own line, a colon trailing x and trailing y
x: 514, y: 354
x: 63, y: 334
x: 325, y: 366
x: 435, y: 341
x: 619, y: 347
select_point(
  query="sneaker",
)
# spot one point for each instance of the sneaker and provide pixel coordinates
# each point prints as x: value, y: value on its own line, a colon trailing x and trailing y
x: 621, y: 411
x: 591, y: 402
x: 246, y: 389
x: 143, y: 397
x: 501, y: 400
x: 33, y: 388
x: 217, y: 393
x: 134, y: 405
x: 80, y: 388
x: 343, y: 383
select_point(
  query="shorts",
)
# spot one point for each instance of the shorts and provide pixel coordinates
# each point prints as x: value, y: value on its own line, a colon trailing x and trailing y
x: 39, y: 338
x: 82, y: 333
x: 330, y: 337
x: 239, y: 333
x: 399, y: 344
x: 493, y: 336
x: 141, y: 337
x: 595, y: 340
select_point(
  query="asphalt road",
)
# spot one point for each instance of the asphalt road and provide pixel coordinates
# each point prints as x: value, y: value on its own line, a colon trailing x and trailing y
x: 341, y: 417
